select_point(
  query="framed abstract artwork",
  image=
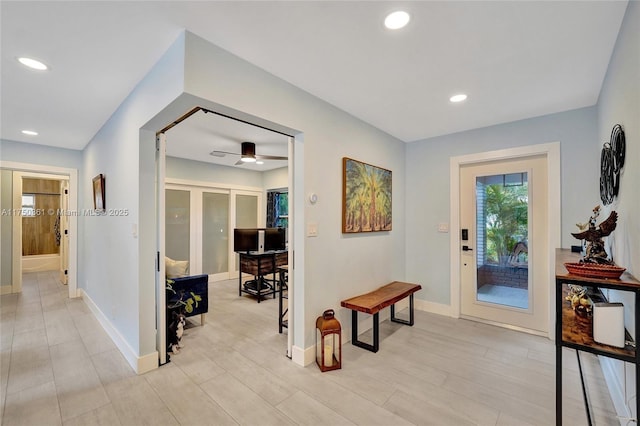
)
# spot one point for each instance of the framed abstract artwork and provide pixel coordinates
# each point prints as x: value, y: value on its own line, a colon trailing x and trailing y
x: 98, y: 193
x: 366, y: 197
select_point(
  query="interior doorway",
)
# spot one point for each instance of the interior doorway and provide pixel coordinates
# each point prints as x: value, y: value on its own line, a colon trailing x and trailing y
x: 48, y: 215
x: 236, y: 215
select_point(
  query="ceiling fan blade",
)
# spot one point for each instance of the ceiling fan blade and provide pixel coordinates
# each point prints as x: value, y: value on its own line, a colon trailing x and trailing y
x: 270, y: 157
x: 222, y: 153
x: 248, y: 152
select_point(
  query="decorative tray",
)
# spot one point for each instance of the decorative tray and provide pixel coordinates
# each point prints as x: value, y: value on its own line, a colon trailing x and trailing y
x: 594, y: 270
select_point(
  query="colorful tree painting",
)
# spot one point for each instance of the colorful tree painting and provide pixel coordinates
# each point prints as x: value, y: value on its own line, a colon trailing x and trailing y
x: 366, y: 203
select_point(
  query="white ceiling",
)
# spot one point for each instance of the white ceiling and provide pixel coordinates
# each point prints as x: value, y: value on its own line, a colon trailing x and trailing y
x: 515, y: 60
x: 204, y: 132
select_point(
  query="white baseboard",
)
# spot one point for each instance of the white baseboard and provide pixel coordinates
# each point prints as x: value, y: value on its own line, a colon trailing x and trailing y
x: 140, y: 364
x: 302, y: 356
x: 148, y: 362
x: 41, y: 263
x: 432, y: 307
x: 6, y: 289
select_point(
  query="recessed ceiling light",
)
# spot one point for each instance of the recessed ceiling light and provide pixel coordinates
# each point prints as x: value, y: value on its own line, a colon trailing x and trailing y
x: 32, y: 63
x: 30, y: 132
x: 397, y: 20
x: 458, y: 98
x: 259, y: 162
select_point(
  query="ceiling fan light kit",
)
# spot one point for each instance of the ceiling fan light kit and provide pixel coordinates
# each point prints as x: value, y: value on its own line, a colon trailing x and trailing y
x: 247, y: 155
x: 248, y: 151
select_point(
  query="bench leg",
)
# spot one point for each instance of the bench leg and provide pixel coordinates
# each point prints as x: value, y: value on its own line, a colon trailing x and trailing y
x: 376, y: 333
x: 402, y: 321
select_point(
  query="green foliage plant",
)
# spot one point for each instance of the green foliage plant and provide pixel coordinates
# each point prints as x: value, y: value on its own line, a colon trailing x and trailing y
x: 506, y: 219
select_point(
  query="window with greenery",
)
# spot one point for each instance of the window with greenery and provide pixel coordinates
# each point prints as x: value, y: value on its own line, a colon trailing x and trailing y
x: 504, y: 214
x: 278, y: 208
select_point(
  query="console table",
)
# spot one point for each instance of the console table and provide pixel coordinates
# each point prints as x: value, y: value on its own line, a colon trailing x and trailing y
x: 260, y: 265
x: 569, y: 333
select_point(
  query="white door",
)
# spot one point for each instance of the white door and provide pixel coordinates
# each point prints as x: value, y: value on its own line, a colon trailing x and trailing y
x: 64, y: 231
x: 504, y: 254
x: 161, y: 312
x: 247, y: 207
x: 214, y: 234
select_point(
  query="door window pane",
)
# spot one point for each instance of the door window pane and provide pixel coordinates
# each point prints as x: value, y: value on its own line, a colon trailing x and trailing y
x: 246, y: 215
x: 246, y: 211
x: 502, y: 205
x: 215, y: 233
x: 177, y: 224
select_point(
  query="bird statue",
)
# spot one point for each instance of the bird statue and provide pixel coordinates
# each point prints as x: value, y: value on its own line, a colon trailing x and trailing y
x: 596, y: 252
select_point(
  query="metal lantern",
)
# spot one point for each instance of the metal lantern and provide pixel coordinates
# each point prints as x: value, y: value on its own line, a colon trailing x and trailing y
x: 328, y: 342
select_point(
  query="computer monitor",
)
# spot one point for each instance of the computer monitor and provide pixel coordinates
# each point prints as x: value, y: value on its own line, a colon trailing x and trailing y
x: 275, y: 239
x: 245, y: 239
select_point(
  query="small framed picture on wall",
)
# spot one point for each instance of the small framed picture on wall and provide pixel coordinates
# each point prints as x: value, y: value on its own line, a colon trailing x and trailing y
x: 98, y: 193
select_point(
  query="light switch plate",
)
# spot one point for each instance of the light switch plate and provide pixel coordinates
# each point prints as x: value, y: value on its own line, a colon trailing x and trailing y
x: 312, y: 229
x: 443, y: 227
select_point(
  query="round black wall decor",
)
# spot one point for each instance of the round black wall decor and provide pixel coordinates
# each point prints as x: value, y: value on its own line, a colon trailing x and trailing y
x: 611, y: 164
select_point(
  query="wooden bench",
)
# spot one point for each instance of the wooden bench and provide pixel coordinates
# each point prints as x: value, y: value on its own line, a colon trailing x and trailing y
x: 373, y: 302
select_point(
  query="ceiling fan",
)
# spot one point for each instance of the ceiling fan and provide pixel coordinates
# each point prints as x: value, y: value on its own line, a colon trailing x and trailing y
x: 247, y: 154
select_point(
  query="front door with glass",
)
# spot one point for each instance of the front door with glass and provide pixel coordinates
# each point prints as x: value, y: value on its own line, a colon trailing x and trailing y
x: 504, y: 255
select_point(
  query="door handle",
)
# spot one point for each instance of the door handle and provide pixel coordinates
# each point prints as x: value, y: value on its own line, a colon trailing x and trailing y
x: 466, y: 248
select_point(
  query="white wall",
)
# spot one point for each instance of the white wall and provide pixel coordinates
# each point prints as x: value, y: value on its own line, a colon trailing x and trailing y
x: 619, y: 103
x: 427, y: 188
x: 336, y: 266
x: 180, y: 168
x: 32, y: 153
x: 115, y: 277
x: 276, y: 178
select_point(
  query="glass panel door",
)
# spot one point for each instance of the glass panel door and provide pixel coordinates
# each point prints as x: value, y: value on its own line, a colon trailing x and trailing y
x: 246, y: 216
x: 177, y: 224
x: 215, y: 233
x: 246, y: 211
x: 504, y: 250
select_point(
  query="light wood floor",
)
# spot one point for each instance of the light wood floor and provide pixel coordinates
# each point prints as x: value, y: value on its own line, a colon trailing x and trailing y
x: 59, y: 367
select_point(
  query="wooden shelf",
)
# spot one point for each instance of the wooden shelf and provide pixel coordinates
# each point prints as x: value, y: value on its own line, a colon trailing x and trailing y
x: 625, y: 282
x: 576, y: 332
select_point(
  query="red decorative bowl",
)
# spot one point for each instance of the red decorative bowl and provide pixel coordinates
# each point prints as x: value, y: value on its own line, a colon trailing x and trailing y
x: 594, y: 270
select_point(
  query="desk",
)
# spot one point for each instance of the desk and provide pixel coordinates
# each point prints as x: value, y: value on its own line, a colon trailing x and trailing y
x: 259, y: 265
x: 581, y: 338
x: 284, y: 286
